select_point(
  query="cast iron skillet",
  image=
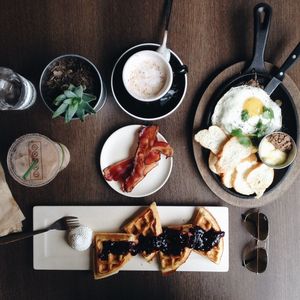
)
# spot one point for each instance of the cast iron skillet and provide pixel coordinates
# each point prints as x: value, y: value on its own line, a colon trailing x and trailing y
x: 257, y: 70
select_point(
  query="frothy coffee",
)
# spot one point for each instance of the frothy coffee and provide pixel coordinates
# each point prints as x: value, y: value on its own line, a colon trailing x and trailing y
x: 146, y: 75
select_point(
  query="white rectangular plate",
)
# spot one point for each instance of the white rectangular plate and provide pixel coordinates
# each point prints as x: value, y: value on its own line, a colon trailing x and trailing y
x: 51, y: 251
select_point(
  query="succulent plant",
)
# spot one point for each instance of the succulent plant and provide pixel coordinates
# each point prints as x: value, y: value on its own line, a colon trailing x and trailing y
x: 74, y: 101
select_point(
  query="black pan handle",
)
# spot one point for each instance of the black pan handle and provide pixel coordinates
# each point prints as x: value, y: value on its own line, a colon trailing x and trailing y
x: 262, y: 21
x: 293, y: 57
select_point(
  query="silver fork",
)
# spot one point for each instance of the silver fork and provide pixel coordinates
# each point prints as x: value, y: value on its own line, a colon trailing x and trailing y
x: 64, y: 223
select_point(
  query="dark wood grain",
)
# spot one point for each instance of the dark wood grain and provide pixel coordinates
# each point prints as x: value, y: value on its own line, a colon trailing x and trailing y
x: 208, y: 35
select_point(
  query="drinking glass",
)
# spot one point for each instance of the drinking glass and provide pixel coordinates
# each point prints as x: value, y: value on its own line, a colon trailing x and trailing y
x: 34, y: 160
x: 16, y: 92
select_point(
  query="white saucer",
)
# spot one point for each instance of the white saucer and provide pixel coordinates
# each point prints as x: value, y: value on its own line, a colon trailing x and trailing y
x: 122, y: 144
x: 155, y: 110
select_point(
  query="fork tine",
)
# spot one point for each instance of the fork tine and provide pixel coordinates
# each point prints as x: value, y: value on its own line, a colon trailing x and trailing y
x: 72, y: 222
x: 70, y: 218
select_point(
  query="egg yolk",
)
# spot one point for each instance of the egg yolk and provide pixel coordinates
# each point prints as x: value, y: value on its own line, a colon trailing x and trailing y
x: 253, y: 106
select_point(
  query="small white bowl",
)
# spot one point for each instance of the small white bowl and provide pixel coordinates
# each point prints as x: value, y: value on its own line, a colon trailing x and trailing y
x: 291, y: 155
x: 150, y: 66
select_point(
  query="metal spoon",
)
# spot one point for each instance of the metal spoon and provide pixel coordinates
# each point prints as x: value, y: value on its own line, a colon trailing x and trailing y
x: 163, y: 50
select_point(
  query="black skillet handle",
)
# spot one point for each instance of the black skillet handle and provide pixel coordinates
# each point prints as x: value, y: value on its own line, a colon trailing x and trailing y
x: 293, y: 57
x: 262, y: 21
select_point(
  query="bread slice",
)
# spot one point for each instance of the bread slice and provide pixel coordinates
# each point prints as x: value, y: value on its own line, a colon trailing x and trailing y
x: 204, y: 219
x: 114, y: 262
x: 239, y: 176
x: 170, y: 263
x: 227, y: 178
x: 212, y: 138
x: 212, y: 160
x: 146, y: 223
x: 232, y: 154
x: 259, y: 178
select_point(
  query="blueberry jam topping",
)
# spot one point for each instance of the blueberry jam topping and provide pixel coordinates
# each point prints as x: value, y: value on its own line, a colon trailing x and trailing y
x: 116, y: 248
x: 170, y: 242
x: 175, y: 241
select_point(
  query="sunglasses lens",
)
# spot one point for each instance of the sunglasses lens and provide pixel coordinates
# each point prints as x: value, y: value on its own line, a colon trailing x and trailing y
x: 256, y: 260
x: 257, y: 224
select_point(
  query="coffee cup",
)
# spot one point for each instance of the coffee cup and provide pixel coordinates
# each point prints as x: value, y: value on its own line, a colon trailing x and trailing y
x: 147, y: 76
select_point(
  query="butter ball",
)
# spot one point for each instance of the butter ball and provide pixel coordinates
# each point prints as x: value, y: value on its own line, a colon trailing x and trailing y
x: 80, y: 238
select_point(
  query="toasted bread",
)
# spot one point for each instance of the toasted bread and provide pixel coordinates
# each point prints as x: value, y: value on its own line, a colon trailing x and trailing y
x: 206, y: 221
x: 227, y: 178
x: 239, y: 177
x: 112, y: 265
x: 232, y: 154
x: 212, y: 138
x: 212, y: 160
x: 259, y: 178
x: 170, y: 263
x: 146, y: 223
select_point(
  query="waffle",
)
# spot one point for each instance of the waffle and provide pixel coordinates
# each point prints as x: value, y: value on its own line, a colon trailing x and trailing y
x: 111, y: 266
x: 170, y: 263
x: 145, y: 223
x: 206, y: 221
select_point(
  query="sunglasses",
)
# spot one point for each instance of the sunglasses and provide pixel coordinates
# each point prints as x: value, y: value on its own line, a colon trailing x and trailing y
x: 255, y: 256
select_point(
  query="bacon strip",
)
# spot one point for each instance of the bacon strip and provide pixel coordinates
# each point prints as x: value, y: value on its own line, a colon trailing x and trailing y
x: 163, y: 147
x: 122, y: 169
x: 129, y: 172
x: 147, y: 137
x: 153, y: 156
x: 119, y: 170
x: 148, y: 168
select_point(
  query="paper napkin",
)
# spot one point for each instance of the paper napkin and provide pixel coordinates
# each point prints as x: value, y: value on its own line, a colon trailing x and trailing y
x: 11, y: 216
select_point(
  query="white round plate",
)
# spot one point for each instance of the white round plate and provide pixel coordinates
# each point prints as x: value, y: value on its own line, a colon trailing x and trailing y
x: 122, y: 144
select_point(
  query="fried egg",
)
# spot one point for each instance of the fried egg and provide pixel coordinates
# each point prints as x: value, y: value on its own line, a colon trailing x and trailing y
x: 249, y: 109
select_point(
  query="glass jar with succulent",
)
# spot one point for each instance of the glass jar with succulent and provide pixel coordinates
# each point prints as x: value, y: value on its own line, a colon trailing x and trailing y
x: 71, y: 87
x: 74, y: 101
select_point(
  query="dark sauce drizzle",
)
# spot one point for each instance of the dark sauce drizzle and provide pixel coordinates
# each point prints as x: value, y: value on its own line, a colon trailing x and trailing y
x: 170, y: 242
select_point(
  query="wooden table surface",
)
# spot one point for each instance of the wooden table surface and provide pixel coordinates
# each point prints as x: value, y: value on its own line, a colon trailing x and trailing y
x: 208, y: 35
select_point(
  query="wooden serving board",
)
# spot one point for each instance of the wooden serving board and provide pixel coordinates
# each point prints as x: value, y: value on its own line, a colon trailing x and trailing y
x: 201, y: 159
